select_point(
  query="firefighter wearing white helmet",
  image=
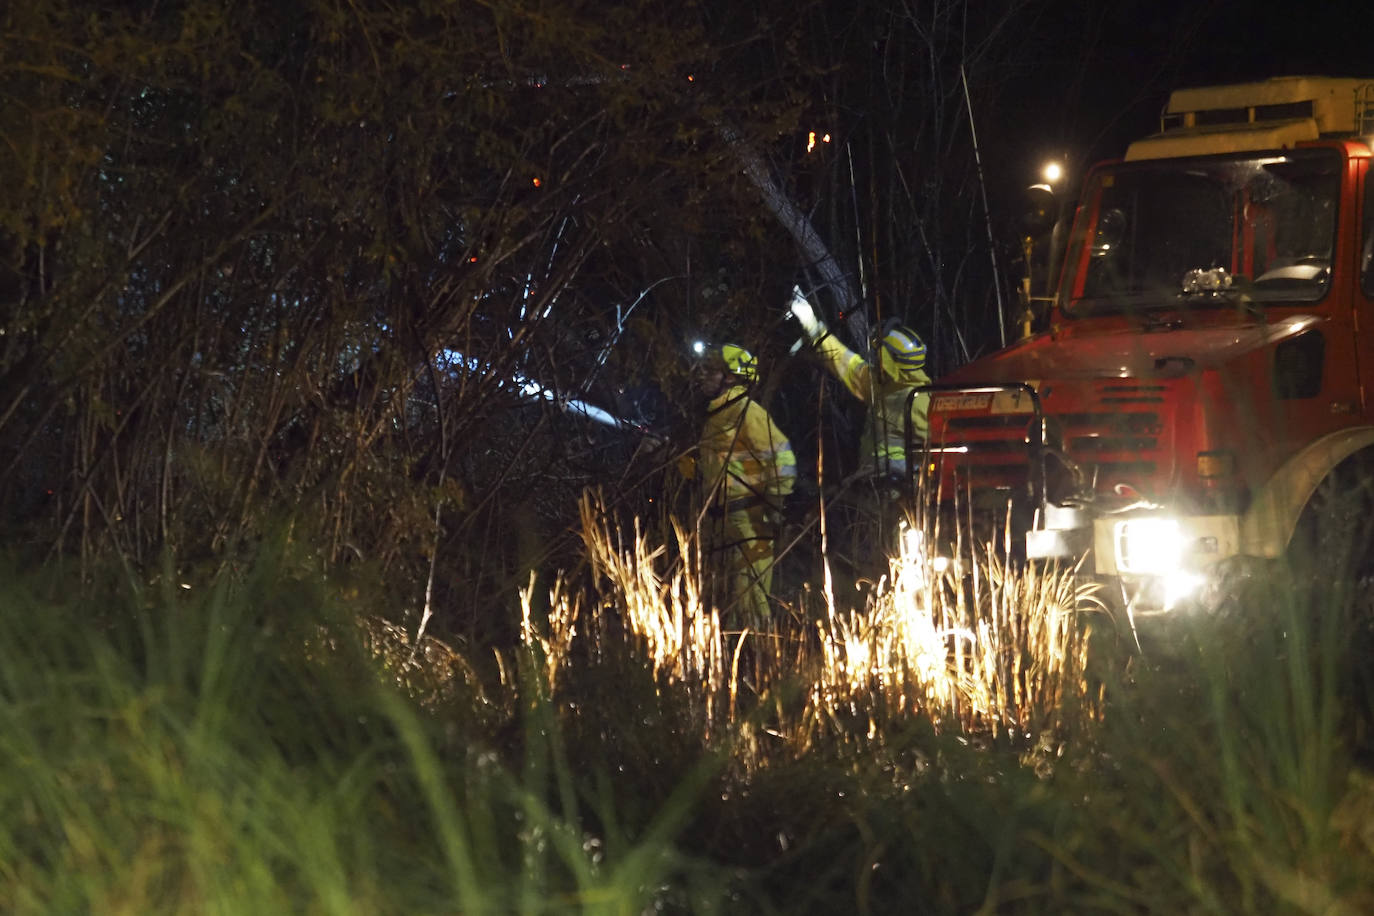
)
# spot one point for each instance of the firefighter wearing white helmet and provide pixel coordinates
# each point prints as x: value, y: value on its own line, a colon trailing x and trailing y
x: 746, y: 467
x: 901, y: 359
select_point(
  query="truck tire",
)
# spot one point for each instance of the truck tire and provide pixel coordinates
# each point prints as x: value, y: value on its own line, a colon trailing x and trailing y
x: 1332, y: 558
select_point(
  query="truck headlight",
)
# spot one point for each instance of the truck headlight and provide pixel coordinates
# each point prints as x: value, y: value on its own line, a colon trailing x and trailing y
x: 1149, y: 546
x: 1156, y: 548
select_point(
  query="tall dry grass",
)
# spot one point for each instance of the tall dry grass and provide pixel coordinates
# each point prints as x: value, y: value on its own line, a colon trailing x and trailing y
x: 979, y: 644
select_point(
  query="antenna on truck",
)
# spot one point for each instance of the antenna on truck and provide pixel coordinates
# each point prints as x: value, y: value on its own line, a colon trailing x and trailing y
x: 987, y: 214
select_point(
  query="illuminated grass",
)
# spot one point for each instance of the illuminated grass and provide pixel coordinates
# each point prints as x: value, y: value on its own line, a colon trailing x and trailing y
x: 1217, y: 786
x: 982, y: 646
x: 231, y: 747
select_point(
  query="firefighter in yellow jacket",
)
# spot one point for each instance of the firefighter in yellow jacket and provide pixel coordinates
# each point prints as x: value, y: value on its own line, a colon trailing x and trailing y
x: 746, y: 468
x: 901, y: 359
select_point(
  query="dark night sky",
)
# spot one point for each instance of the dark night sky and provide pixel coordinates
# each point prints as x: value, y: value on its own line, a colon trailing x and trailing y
x: 1105, y: 69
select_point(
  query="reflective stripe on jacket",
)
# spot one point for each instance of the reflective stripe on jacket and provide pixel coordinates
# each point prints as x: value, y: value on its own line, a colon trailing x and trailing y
x: 742, y: 452
x: 882, y: 448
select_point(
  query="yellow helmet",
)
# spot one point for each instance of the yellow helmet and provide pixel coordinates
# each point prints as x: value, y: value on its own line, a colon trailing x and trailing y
x: 900, y: 351
x: 733, y: 358
x: 739, y: 361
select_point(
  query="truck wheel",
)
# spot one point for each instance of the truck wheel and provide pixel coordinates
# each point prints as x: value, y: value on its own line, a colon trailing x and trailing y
x: 1333, y: 544
x: 1332, y: 558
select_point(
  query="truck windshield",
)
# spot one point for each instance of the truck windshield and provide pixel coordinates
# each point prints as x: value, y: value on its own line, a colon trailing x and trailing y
x: 1215, y: 230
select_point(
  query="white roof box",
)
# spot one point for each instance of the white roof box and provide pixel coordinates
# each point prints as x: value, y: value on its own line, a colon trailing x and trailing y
x: 1272, y: 114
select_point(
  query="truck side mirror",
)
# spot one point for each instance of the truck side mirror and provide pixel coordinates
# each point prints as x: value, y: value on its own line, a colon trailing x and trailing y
x: 1038, y: 216
x: 1039, y: 211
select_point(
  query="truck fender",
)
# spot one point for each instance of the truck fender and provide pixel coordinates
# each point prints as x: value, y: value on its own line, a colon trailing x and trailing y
x: 1268, y: 525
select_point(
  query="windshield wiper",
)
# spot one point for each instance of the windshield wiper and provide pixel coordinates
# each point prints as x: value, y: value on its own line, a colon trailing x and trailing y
x: 1158, y: 322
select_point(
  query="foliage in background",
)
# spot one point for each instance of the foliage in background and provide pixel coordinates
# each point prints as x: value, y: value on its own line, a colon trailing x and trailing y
x: 313, y: 259
x: 341, y: 263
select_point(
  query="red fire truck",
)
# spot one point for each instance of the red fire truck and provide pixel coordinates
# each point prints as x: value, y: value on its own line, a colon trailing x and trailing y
x: 1208, y: 355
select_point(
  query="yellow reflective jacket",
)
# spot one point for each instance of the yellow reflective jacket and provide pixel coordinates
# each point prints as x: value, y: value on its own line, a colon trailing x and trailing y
x: 743, y: 455
x: 882, y: 448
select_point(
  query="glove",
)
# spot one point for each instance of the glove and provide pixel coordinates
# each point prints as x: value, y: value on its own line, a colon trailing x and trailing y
x: 806, y: 315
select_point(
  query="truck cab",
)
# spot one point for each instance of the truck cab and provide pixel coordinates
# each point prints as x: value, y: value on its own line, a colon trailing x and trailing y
x: 1208, y: 355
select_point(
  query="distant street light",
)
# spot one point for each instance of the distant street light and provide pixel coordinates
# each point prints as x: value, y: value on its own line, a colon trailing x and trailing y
x: 1052, y: 172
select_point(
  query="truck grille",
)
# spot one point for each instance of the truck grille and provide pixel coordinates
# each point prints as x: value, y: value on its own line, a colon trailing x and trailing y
x: 1143, y: 423
x: 1117, y: 393
x: 1112, y: 427
x: 1010, y: 421
x: 1095, y: 444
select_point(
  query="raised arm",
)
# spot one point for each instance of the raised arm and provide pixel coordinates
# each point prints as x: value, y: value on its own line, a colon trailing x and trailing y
x: 846, y: 365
